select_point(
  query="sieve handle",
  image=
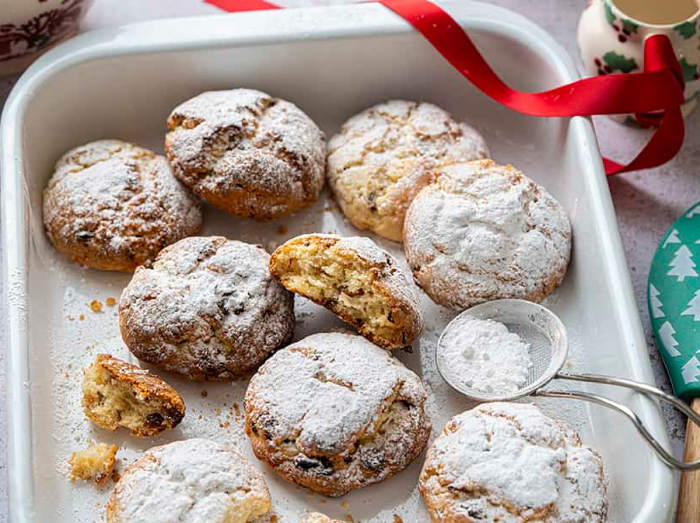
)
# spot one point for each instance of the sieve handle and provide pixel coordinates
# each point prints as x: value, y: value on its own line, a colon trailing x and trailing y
x: 643, y: 388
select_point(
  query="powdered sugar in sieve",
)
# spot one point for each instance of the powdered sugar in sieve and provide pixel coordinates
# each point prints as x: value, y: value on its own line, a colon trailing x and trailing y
x: 524, y: 336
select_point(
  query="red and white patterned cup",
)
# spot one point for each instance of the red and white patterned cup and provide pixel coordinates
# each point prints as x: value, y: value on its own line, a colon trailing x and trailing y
x: 611, y: 41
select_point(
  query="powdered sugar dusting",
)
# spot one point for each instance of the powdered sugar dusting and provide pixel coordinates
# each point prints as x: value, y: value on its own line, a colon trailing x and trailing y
x: 509, y: 462
x: 327, y: 389
x: 483, y: 356
x: 247, y: 152
x: 208, y: 309
x: 196, y: 480
x: 113, y: 205
x: 484, y: 231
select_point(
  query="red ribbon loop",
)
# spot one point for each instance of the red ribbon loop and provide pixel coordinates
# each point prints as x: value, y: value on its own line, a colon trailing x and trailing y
x: 659, y: 87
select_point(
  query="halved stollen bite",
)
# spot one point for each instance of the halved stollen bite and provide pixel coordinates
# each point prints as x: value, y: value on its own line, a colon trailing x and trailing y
x: 357, y: 280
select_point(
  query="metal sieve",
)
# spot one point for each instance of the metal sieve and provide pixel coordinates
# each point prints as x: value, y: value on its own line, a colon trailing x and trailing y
x: 548, y: 349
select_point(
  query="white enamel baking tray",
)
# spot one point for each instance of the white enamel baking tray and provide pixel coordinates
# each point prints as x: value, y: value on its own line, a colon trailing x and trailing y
x: 332, y: 62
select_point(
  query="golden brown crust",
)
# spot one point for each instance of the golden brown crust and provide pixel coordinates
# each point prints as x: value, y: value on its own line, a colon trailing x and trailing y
x: 383, y: 156
x: 367, y: 288
x: 246, y: 152
x: 117, y: 393
x: 509, y: 463
x: 112, y: 205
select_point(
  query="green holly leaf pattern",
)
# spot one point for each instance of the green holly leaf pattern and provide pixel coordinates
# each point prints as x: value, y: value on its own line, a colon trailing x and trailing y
x: 618, y: 62
x: 689, y: 70
x: 686, y: 30
x: 609, y: 13
x: 629, y: 25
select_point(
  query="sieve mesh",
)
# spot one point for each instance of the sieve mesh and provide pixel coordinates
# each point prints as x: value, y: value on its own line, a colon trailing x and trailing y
x: 536, y: 326
x: 540, y: 349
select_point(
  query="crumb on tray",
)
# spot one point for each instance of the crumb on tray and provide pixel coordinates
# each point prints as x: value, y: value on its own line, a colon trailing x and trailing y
x: 94, y: 463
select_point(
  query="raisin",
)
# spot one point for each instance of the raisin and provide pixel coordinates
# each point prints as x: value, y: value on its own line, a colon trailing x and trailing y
x: 321, y: 466
x: 154, y: 420
x: 84, y: 236
x: 306, y: 463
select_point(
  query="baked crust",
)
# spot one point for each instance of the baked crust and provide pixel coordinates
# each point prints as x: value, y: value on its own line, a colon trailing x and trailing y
x: 207, y: 309
x: 112, y: 205
x: 335, y: 413
x: 384, y: 155
x: 482, y: 231
x: 247, y: 152
x: 119, y: 394
x: 358, y: 281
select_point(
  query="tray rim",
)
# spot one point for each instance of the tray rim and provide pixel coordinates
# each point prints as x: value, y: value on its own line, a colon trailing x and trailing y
x: 260, y: 28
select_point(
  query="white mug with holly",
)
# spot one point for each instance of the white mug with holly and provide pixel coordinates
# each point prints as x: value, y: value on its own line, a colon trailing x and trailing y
x: 611, y: 35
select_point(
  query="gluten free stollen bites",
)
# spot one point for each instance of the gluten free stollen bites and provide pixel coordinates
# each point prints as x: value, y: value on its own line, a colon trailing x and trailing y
x: 357, y: 280
x: 112, y: 205
x: 509, y: 463
x: 482, y: 231
x: 207, y: 309
x: 384, y: 155
x: 335, y: 413
x: 246, y: 152
x: 195, y: 480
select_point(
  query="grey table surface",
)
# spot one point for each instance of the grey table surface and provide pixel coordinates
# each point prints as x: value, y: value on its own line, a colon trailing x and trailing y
x: 646, y: 202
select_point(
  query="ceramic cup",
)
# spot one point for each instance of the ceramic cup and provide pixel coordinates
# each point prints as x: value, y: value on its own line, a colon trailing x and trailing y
x: 612, y: 42
x: 29, y: 27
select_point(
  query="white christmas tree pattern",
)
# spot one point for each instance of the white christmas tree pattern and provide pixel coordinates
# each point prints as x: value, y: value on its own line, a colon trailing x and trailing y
x: 693, y: 307
x: 656, y: 304
x: 669, y: 343
x: 691, y: 370
x: 672, y: 238
x: 682, y: 265
x: 695, y: 211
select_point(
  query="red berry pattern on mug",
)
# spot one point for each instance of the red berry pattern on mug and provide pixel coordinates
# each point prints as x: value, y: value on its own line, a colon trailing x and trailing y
x: 624, y: 28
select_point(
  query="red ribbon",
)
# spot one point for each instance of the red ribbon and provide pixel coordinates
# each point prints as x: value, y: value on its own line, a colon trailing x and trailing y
x: 655, y: 95
x: 242, y: 5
